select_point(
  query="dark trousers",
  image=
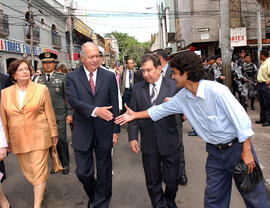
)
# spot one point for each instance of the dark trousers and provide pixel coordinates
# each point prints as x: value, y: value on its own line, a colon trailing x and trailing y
x: 179, y: 126
x: 126, y: 97
x: 99, y: 190
x: 264, y: 101
x: 219, y: 171
x: 62, y: 145
x: 159, y: 168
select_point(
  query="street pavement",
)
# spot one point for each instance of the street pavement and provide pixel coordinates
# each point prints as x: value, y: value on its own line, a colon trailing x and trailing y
x: 129, y: 190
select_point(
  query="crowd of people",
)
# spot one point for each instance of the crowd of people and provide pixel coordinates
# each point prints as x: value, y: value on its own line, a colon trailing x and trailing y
x: 155, y: 101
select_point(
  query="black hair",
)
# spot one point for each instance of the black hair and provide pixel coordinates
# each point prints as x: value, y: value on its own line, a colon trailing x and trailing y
x: 265, y: 52
x: 162, y: 53
x: 153, y: 57
x: 188, y: 62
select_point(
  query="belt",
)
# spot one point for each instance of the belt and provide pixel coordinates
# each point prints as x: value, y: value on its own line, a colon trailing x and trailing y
x: 225, y: 146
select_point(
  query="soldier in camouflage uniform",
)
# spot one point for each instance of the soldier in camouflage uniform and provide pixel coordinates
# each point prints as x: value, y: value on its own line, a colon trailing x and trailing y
x: 249, y: 71
x: 56, y: 83
x: 246, y: 80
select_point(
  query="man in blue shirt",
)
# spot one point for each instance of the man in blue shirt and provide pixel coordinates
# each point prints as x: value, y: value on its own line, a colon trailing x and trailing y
x: 220, y: 120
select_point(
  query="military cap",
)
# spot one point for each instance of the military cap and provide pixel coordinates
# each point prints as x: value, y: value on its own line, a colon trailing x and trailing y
x: 47, y: 57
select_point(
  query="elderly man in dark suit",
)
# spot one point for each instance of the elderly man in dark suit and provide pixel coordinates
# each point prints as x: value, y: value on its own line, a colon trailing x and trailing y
x: 167, y: 72
x: 159, y: 140
x: 92, y: 93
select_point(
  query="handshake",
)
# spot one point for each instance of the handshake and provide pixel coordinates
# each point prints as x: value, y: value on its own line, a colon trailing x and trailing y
x: 106, y: 114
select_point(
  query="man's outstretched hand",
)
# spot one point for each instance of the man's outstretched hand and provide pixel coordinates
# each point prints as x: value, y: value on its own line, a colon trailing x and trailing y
x: 128, y: 116
x: 104, y: 113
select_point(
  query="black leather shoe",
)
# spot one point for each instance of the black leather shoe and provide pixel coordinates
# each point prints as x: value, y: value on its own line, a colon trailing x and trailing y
x: 183, y: 180
x: 52, y: 172
x: 266, y: 123
x: 259, y: 122
x: 192, y: 133
x: 65, y: 171
x: 90, y: 204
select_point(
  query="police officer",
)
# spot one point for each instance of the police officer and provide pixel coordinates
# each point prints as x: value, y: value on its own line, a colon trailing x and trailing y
x: 242, y: 87
x: 249, y: 71
x: 56, y: 83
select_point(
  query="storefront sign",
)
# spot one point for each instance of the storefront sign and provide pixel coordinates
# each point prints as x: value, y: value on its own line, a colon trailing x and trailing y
x: 238, y: 37
x: 18, y: 47
x: 83, y: 28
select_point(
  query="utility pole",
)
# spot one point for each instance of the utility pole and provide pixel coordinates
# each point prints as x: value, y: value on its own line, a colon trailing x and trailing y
x: 259, y: 31
x: 177, y: 29
x: 225, y: 41
x: 31, y: 32
x: 70, y: 35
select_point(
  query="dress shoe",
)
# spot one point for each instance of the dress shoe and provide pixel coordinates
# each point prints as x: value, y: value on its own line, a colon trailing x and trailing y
x: 266, y: 123
x: 259, y: 122
x: 90, y: 204
x: 65, y: 171
x: 183, y: 180
x: 52, y: 172
x: 192, y: 133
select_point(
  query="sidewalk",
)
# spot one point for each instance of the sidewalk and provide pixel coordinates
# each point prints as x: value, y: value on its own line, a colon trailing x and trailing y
x: 261, y: 142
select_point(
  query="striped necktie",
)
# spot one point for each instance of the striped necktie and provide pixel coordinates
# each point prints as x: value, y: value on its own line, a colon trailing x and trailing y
x: 153, y: 96
x: 92, y: 85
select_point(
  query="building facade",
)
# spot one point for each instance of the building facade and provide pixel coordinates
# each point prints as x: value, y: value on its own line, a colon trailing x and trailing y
x: 48, y: 31
x: 197, y: 24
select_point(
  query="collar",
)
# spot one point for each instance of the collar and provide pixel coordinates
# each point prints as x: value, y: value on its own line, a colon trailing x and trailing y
x: 200, y: 91
x: 164, y: 68
x: 49, y: 73
x: 88, y: 72
x: 158, y: 82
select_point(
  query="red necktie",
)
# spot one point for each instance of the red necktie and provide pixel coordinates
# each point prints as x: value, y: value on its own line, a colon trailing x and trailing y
x: 92, y: 85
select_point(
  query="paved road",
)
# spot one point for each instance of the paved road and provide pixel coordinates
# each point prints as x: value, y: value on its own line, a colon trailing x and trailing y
x: 129, y: 190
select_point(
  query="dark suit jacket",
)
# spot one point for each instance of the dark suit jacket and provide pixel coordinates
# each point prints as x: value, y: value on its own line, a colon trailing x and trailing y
x: 81, y: 99
x: 157, y: 137
x: 5, y: 81
x: 138, y: 77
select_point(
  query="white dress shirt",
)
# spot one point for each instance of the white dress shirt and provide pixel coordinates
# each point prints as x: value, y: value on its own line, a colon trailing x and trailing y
x: 127, y: 78
x: 94, y: 78
x: 158, y: 85
x: 3, y: 140
x: 21, y: 95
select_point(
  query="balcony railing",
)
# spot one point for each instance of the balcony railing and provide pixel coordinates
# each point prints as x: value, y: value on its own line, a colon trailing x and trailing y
x: 76, y: 48
x: 56, y: 41
x: 36, y: 34
x: 4, y: 25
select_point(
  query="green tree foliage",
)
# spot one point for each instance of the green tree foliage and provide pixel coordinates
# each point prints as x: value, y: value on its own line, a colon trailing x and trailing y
x: 129, y: 47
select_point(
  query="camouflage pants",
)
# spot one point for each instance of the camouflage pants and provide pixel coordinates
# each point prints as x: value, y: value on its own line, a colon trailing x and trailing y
x: 247, y: 90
